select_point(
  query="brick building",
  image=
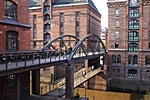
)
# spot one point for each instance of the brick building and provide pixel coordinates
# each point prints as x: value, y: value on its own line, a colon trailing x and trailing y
x: 13, y: 30
x: 128, y: 45
x: 52, y: 18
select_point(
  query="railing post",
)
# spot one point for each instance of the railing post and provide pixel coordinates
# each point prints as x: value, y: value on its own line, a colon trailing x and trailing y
x: 6, y: 61
x: 25, y: 63
x: 16, y: 59
x: 39, y: 57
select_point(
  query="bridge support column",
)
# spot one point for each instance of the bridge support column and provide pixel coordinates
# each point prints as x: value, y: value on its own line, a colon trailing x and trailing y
x: 69, y: 81
x: 36, y: 82
x: 17, y: 87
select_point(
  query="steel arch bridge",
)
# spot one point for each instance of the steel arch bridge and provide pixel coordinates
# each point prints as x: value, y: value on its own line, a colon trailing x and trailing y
x: 73, y: 48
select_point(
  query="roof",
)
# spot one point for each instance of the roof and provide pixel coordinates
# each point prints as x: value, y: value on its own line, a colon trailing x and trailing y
x: 33, y: 3
x: 57, y: 3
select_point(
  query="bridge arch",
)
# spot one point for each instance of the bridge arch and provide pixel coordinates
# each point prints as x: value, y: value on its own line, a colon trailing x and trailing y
x: 60, y: 42
x: 90, y: 44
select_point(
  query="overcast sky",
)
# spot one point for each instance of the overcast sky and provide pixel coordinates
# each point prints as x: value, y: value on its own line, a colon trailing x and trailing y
x: 102, y: 7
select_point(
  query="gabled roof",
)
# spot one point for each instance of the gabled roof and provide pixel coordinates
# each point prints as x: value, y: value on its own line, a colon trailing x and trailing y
x: 74, y: 2
x: 34, y: 3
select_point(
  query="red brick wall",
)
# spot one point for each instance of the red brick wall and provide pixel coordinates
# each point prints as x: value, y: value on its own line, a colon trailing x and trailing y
x: 23, y: 32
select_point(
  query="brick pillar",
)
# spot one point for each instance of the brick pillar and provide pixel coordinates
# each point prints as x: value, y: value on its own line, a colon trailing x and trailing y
x: 36, y: 82
x: 17, y: 87
x: 69, y: 81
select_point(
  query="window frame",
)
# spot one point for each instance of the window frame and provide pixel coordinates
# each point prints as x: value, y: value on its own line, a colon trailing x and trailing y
x: 133, y: 36
x: 134, y: 13
x: 132, y: 47
x: 133, y: 24
x: 13, y: 10
x: 46, y: 7
x: 11, y: 40
x: 117, y: 12
x: 132, y: 73
x: 117, y: 23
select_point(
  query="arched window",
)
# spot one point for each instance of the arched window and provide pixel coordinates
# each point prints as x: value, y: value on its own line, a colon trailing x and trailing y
x: 11, y: 40
x: 113, y: 58
x: 130, y: 60
x: 117, y: 23
x: 10, y: 9
x: 119, y: 59
x: 133, y: 47
x: 46, y: 18
x: 46, y: 7
x: 135, y: 59
x: 46, y: 37
x: 117, y: 11
x: 133, y: 24
x: 116, y: 34
x: 133, y: 35
x: 148, y: 60
x: 46, y: 27
x: 132, y: 72
x: 116, y: 45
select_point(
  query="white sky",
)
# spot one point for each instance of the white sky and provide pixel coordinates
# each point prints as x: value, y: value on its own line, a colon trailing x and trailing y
x: 102, y: 7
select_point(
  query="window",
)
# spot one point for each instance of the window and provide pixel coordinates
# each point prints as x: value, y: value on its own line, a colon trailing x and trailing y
x: 77, y: 24
x: 133, y: 13
x: 113, y: 58
x: 46, y: 7
x: 46, y: 37
x: 135, y: 59
x: 119, y: 59
x: 116, y: 34
x: 77, y: 34
x: 34, y: 35
x: 61, y: 15
x: 10, y: 9
x: 114, y: 70
x: 116, y: 45
x: 118, y: 71
x: 11, y: 79
x: 133, y: 47
x: 133, y: 24
x: 117, y: 23
x: 132, y: 72
x: 133, y: 2
x: 147, y: 72
x: 61, y: 25
x: 133, y: 36
x: 77, y: 14
x: 11, y: 40
x: 147, y: 60
x: 117, y: 11
x: 46, y: 18
x: 116, y: 59
x: 34, y: 26
x: 46, y: 27
x: 132, y: 60
x: 34, y: 45
x: 34, y: 18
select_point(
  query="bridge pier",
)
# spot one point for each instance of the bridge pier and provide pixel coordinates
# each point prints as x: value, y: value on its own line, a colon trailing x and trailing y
x: 69, y: 81
x: 36, y: 82
x: 17, y: 87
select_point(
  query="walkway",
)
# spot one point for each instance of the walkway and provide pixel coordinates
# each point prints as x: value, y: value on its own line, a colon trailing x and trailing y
x: 59, y: 88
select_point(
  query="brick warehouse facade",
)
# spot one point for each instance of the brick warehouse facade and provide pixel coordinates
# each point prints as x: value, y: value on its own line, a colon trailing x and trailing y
x: 52, y: 18
x: 128, y: 45
x: 14, y: 36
